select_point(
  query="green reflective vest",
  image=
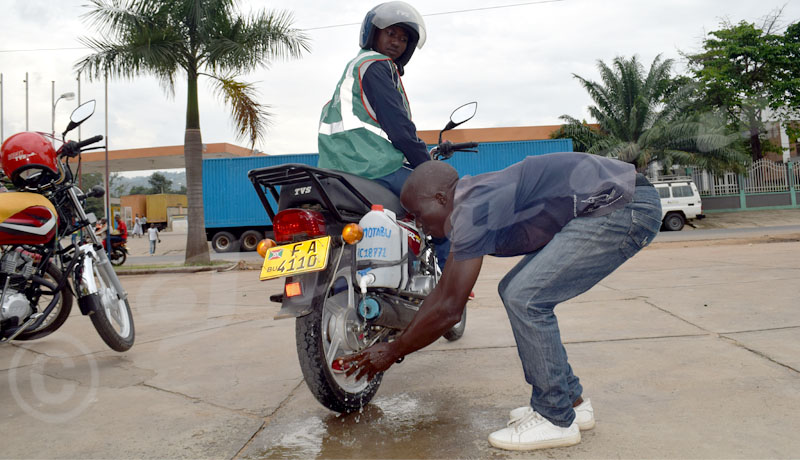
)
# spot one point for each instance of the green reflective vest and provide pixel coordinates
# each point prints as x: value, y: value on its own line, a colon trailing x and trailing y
x: 350, y: 138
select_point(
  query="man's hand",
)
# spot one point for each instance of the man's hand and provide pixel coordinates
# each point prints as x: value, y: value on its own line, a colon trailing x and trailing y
x: 375, y: 359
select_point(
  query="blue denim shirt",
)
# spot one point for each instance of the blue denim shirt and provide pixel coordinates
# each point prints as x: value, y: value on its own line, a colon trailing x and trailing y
x: 386, y: 101
x: 519, y: 209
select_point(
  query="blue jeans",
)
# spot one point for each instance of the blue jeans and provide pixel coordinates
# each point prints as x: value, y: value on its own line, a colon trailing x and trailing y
x: 394, y: 182
x: 584, y: 252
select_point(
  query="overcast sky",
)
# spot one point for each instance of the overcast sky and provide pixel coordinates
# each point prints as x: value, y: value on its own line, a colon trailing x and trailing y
x: 516, y: 61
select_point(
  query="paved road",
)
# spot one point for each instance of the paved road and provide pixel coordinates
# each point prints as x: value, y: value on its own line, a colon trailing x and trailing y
x: 685, y: 353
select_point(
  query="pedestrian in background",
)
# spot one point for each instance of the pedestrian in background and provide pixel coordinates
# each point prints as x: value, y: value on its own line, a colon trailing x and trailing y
x: 137, y: 227
x: 152, y: 234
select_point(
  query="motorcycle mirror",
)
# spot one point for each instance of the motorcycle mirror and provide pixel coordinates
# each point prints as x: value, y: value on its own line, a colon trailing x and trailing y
x: 460, y: 116
x: 464, y: 113
x: 79, y: 115
x: 96, y: 192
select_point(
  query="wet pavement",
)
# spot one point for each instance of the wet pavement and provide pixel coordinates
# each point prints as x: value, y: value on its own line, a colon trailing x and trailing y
x: 685, y: 352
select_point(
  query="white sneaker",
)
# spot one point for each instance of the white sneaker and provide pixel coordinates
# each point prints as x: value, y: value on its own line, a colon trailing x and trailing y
x: 532, y: 432
x: 584, y: 414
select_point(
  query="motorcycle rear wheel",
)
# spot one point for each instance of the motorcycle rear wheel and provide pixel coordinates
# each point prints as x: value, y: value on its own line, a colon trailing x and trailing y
x: 113, y: 321
x: 324, y: 335
x: 59, y: 314
x: 117, y: 257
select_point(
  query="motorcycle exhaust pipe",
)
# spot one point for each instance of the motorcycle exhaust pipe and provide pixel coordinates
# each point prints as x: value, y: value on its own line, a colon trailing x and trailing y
x: 386, y: 312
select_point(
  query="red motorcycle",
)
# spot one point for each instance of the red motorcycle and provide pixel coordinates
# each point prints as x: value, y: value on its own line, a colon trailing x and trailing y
x: 38, y: 260
x: 118, y: 254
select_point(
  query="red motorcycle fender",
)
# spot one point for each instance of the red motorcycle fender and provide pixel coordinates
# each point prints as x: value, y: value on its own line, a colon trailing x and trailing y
x: 312, y: 285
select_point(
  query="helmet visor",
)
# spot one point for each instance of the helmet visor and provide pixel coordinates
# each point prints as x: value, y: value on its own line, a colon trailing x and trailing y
x: 391, y: 13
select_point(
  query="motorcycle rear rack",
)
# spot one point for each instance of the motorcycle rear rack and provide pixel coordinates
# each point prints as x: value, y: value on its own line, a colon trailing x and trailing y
x: 271, y: 178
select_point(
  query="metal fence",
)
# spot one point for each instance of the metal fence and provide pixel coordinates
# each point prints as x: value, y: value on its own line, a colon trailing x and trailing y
x: 763, y: 176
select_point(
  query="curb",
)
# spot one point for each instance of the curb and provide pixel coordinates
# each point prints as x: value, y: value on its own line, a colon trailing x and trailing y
x: 179, y: 269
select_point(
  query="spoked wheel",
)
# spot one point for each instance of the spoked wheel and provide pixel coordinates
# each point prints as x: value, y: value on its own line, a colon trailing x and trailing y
x: 118, y: 257
x: 330, y: 331
x: 60, y: 312
x: 113, y: 320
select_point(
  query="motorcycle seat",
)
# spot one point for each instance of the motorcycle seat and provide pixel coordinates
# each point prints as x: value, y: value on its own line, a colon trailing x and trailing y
x: 303, y: 192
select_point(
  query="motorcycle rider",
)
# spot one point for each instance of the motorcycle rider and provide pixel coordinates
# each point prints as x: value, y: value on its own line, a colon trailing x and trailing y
x: 122, y: 236
x: 366, y: 128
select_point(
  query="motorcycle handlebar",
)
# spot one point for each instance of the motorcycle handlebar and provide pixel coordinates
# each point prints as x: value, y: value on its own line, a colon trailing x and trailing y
x: 464, y: 145
x: 446, y: 149
x: 89, y: 141
x: 72, y: 149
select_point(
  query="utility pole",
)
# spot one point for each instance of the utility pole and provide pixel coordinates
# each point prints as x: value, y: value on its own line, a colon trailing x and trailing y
x: 26, y: 101
x: 109, y: 217
x: 2, y: 137
x: 80, y: 165
x: 79, y: 128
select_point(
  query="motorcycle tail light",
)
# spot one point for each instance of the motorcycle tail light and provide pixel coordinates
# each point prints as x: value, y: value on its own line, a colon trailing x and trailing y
x: 293, y: 289
x: 290, y: 223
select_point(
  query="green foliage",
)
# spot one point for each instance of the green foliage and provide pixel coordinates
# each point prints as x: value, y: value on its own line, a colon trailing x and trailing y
x: 159, y: 184
x: 94, y: 205
x: 139, y: 190
x: 752, y: 75
x: 643, y: 117
x: 164, y: 37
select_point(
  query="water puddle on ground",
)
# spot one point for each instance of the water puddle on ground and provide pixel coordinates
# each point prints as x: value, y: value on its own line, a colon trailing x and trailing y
x: 396, y: 426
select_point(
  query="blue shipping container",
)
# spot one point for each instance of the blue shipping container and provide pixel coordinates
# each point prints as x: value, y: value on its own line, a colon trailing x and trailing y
x: 230, y: 201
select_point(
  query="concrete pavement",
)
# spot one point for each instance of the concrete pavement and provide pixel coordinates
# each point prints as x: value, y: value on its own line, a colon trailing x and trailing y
x: 686, y: 352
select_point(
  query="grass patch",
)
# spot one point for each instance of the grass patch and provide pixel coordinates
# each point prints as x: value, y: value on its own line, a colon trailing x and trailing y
x: 214, y: 263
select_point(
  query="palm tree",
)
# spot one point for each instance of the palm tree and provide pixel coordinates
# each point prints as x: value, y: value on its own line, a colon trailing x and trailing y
x: 206, y: 38
x: 645, y: 118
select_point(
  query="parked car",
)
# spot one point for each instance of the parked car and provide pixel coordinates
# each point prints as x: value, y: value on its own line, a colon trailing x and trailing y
x: 680, y: 201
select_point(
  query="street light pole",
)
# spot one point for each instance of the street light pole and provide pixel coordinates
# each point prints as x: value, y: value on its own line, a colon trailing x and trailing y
x: 68, y: 96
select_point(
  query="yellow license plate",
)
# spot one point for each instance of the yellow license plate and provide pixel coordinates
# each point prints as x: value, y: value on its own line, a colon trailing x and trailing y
x: 291, y: 259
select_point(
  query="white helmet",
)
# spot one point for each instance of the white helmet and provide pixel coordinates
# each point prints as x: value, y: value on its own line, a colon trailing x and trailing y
x: 389, y: 14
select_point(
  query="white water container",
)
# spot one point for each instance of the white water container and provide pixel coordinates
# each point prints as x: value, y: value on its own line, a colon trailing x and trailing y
x: 384, y: 243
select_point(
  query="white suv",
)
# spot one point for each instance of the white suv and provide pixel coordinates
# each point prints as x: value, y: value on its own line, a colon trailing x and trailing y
x: 680, y: 201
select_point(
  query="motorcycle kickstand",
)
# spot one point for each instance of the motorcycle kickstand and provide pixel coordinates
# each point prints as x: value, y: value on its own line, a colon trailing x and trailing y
x: 26, y: 325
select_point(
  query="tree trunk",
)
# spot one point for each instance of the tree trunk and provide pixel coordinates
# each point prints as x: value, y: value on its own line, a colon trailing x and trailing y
x: 196, y: 244
x: 755, y: 144
x: 756, y: 150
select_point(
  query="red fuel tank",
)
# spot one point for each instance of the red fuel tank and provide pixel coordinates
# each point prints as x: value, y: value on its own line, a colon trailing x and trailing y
x: 414, y: 237
x: 26, y: 218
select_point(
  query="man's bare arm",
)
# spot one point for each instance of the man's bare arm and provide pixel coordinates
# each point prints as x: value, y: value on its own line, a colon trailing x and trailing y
x: 439, y: 312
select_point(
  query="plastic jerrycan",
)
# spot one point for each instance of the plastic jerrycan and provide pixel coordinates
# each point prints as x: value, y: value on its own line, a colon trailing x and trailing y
x: 384, y: 242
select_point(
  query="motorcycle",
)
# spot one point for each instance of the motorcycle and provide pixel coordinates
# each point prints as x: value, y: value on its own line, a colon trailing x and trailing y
x: 357, y: 267
x: 41, y: 269
x: 118, y: 254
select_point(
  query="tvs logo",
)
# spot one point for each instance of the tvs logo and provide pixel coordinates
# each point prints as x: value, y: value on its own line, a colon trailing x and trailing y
x: 20, y: 155
x: 275, y: 254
